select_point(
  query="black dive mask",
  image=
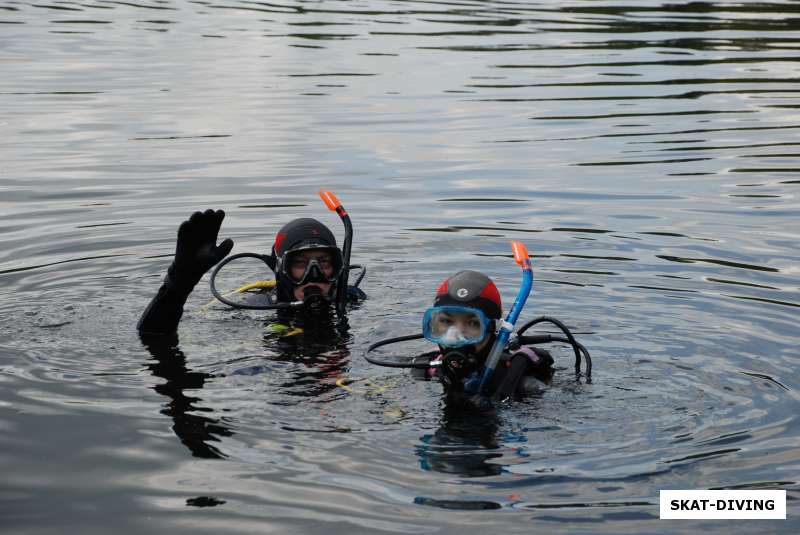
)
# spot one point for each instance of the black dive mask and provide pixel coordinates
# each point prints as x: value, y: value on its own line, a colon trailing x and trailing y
x: 314, y: 273
x: 310, y: 263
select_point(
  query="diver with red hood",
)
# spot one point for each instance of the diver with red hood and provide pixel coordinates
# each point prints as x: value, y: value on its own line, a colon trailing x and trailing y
x: 462, y: 322
x: 480, y: 357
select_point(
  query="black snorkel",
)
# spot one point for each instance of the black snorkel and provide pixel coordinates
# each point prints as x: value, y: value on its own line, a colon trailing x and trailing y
x: 333, y: 204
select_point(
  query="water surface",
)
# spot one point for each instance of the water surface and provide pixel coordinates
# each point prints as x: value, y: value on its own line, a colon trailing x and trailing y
x: 645, y: 153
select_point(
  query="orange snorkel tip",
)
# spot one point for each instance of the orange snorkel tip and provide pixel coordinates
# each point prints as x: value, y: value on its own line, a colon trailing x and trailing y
x: 330, y: 200
x: 521, y: 254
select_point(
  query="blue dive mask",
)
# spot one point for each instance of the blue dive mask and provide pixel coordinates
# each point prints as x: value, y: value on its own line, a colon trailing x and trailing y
x: 456, y: 326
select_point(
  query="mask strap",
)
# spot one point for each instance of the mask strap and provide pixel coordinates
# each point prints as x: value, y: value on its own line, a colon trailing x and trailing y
x: 271, y: 260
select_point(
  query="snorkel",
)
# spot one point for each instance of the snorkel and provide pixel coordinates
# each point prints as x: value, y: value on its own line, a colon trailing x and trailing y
x: 333, y: 204
x: 475, y: 385
x: 313, y: 299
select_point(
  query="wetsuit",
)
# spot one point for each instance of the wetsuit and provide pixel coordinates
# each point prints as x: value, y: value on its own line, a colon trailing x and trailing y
x: 165, y: 310
x: 509, y: 378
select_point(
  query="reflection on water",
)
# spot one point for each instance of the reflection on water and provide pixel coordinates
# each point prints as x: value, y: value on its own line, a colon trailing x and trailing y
x: 321, y: 352
x: 316, y: 346
x: 643, y: 151
x: 462, y: 445
x: 194, y: 430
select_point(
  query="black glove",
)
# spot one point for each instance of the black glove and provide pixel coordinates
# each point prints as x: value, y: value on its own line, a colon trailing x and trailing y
x: 197, y: 251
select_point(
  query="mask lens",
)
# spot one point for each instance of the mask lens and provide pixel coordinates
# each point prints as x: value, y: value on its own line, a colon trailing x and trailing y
x: 453, y: 326
x: 320, y: 264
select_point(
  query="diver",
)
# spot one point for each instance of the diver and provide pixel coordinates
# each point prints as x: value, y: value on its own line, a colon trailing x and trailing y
x: 311, y: 276
x: 479, y: 356
x: 311, y: 272
x: 462, y: 322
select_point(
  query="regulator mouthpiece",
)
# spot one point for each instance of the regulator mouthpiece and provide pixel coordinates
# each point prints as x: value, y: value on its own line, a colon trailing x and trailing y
x: 314, y: 299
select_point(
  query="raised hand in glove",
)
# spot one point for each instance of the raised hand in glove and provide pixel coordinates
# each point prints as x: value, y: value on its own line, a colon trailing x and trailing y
x: 197, y: 251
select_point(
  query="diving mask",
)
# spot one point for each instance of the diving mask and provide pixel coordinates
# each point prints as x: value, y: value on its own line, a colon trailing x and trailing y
x: 311, y: 264
x: 455, y: 326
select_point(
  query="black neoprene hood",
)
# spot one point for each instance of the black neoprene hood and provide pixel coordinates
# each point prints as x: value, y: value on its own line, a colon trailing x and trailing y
x: 302, y: 232
x: 471, y: 289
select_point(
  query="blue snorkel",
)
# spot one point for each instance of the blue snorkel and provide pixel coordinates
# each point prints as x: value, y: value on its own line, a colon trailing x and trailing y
x: 475, y: 385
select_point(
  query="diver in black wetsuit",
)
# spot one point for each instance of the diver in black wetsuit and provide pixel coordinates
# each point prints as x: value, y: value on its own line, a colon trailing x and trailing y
x: 462, y: 322
x: 310, y: 270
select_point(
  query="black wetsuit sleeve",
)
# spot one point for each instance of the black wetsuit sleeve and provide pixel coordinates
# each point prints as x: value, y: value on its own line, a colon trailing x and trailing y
x: 163, y: 314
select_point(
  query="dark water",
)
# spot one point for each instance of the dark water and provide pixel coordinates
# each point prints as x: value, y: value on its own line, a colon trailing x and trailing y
x: 646, y: 154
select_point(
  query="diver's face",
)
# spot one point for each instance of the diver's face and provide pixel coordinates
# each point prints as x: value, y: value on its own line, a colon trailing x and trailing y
x: 467, y: 324
x: 299, y: 264
x: 463, y: 325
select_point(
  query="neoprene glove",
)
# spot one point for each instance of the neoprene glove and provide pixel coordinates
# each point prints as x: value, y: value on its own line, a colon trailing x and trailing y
x: 197, y: 251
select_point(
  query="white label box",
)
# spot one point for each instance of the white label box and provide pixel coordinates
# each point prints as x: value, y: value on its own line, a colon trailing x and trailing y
x: 721, y: 504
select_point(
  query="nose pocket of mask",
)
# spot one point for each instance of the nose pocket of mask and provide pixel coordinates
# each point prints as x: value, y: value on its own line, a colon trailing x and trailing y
x: 453, y: 336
